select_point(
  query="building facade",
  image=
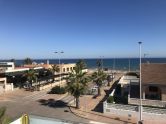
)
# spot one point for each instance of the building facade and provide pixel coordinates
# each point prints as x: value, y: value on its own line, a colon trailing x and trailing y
x: 153, y: 84
x: 6, y: 66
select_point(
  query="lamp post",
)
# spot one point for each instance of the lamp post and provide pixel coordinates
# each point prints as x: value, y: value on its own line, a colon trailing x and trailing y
x: 102, y: 63
x: 145, y: 55
x: 140, y: 107
x: 60, y: 67
x: 129, y: 64
x: 113, y: 70
x: 114, y: 64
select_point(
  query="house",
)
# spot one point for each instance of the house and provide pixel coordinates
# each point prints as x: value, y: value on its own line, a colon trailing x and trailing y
x: 153, y: 85
x: 126, y: 81
x: 4, y: 86
x: 6, y: 66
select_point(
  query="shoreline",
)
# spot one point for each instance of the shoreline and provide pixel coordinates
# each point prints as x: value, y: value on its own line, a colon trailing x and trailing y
x: 90, y: 70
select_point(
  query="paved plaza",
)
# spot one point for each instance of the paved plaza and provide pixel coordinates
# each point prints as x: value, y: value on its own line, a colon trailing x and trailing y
x: 20, y: 102
x: 40, y: 103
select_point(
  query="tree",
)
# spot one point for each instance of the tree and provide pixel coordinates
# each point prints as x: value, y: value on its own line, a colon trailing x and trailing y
x: 99, y: 64
x: 99, y: 76
x: 3, y: 118
x: 31, y: 76
x: 54, y: 69
x: 28, y: 61
x: 77, y: 82
x: 81, y: 64
x: 108, y: 80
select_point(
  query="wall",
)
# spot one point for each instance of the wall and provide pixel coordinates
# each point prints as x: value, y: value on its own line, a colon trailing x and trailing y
x: 63, y: 82
x: 163, y: 93
x: 158, y: 103
x: 4, y: 86
x: 65, y: 66
x: 131, y: 113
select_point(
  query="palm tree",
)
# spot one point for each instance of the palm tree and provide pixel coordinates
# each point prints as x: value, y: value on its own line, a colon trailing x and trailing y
x: 28, y: 61
x: 3, y: 118
x: 77, y: 82
x: 31, y: 76
x: 81, y: 64
x: 54, y: 69
x: 108, y: 80
x: 99, y: 76
x: 99, y: 64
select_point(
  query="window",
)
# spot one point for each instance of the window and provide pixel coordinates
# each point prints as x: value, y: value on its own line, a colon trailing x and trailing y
x: 5, y: 65
x: 153, y: 89
x: 67, y: 69
x: 63, y: 69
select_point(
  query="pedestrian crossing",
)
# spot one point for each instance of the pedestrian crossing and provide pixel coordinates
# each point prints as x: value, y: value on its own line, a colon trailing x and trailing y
x: 26, y: 97
x: 68, y: 99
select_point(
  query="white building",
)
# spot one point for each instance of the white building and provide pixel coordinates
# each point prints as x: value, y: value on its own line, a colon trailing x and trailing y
x: 6, y: 66
x: 4, y: 86
x: 128, y: 79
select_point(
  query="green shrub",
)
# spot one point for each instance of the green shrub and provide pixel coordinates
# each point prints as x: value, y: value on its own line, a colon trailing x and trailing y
x: 58, y: 90
x: 110, y: 99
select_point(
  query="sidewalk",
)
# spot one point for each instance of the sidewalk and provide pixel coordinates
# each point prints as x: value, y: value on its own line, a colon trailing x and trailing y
x: 88, y: 104
x: 86, y: 111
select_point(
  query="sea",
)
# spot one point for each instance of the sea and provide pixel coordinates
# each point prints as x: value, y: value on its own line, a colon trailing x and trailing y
x: 125, y: 64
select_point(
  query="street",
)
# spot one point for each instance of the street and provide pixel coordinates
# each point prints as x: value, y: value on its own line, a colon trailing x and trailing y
x: 20, y: 102
x: 41, y: 103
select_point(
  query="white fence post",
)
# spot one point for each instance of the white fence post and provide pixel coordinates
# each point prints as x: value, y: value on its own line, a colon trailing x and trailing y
x: 12, y: 86
x: 104, y: 106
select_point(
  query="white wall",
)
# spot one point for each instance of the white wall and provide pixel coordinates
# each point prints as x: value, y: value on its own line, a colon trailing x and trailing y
x: 131, y: 115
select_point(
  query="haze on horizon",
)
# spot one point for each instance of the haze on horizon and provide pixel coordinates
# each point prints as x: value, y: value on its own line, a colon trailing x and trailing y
x: 82, y: 28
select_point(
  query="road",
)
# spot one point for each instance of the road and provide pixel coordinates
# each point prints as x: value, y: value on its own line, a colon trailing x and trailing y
x: 40, y: 103
x: 20, y: 102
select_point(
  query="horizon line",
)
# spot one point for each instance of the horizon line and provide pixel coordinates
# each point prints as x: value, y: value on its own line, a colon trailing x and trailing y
x: 84, y: 58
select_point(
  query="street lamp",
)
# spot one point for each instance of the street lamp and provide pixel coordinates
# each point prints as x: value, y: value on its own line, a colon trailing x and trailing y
x: 129, y: 64
x: 60, y: 67
x: 145, y: 55
x: 140, y: 107
x: 102, y: 63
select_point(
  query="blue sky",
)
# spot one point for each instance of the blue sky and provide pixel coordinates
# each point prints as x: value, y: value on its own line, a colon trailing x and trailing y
x: 82, y: 28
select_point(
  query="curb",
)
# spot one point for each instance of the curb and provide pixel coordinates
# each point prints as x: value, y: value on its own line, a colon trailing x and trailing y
x: 84, y: 116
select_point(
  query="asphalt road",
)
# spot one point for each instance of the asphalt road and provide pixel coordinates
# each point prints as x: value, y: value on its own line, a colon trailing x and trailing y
x: 38, y: 103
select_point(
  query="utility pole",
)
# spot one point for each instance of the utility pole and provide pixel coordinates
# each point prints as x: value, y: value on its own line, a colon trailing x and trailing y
x: 60, y: 66
x: 140, y: 107
x: 129, y: 64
